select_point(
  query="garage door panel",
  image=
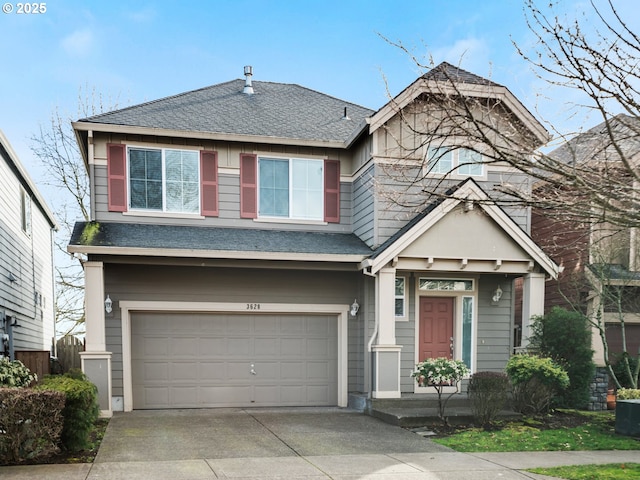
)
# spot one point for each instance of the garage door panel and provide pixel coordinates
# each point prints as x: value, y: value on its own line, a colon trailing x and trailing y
x: 204, y: 360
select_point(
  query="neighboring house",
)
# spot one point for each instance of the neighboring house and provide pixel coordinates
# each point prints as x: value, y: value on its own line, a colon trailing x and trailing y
x: 27, y: 227
x: 601, y: 262
x: 247, y: 259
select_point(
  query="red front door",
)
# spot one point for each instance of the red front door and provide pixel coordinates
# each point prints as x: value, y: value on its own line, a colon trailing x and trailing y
x: 436, y: 327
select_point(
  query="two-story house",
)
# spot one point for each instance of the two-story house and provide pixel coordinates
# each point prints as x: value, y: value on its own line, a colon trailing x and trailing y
x: 241, y: 253
x: 27, y: 227
x: 599, y: 252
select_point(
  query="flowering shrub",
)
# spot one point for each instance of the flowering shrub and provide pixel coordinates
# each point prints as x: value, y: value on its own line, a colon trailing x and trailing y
x: 15, y: 374
x: 628, y: 394
x: 439, y: 371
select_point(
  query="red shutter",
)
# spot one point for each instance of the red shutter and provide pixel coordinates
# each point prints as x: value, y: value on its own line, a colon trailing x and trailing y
x: 117, y: 177
x: 248, y: 186
x: 209, y: 183
x: 332, y: 191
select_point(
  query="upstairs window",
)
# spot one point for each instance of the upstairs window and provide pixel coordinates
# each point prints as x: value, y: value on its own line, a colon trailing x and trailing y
x: 163, y: 180
x: 25, y: 212
x: 291, y: 188
x: 459, y: 161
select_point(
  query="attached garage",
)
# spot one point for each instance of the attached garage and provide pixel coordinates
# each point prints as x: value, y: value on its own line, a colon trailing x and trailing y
x: 201, y: 359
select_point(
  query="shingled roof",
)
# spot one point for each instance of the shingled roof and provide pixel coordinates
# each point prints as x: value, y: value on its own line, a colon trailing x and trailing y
x: 208, y: 240
x: 447, y: 72
x: 276, y: 110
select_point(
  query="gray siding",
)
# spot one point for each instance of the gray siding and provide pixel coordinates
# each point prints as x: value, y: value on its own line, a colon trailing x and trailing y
x: 363, y: 206
x: 164, y: 283
x: 495, y: 324
x: 405, y: 336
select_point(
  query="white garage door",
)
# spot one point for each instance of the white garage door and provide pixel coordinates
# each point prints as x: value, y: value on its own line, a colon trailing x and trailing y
x: 196, y: 360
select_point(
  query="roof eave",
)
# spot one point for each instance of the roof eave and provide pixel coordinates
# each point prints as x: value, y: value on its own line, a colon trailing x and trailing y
x: 216, y: 254
x: 221, y: 136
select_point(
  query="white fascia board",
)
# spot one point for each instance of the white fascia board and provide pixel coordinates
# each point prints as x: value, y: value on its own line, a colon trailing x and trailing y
x: 229, y: 137
x: 462, y: 89
x: 214, y: 254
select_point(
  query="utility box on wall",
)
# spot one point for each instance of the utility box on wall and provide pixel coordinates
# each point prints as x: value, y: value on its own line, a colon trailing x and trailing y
x: 628, y: 417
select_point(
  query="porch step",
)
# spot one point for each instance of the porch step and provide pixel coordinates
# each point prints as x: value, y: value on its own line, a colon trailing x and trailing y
x: 421, y: 410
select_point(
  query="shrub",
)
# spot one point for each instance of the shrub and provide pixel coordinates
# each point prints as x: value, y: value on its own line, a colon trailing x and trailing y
x: 535, y: 381
x: 620, y: 369
x: 488, y: 392
x: 15, y: 374
x: 565, y: 337
x: 31, y: 423
x: 628, y: 394
x: 81, y: 408
x: 438, y: 373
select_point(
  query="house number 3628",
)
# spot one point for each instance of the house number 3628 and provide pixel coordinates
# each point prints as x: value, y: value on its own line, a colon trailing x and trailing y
x: 253, y: 306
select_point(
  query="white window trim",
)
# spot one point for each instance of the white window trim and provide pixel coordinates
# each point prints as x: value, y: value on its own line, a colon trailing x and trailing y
x: 457, y: 323
x: 455, y: 164
x: 164, y: 211
x: 405, y: 315
x: 288, y: 218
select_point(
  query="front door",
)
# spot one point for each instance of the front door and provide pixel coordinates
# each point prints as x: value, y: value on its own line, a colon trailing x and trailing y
x: 436, y: 327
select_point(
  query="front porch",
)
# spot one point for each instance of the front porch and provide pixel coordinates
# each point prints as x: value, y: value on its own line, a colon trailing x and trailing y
x: 418, y: 410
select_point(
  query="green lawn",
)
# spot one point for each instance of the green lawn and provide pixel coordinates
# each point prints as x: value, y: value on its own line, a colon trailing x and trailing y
x: 596, y: 433
x: 612, y: 471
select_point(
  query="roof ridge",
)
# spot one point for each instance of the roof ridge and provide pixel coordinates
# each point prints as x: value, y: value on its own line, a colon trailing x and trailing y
x: 452, y: 72
x: 216, y: 85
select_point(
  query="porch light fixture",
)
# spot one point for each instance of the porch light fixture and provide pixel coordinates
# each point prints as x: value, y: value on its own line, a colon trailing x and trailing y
x: 108, y: 304
x: 354, y: 308
x: 497, y: 295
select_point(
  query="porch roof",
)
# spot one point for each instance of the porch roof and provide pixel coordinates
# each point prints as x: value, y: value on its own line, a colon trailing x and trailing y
x: 113, y: 238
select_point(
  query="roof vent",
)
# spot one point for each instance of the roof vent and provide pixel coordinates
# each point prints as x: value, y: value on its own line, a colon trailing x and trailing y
x: 248, y: 88
x: 345, y: 116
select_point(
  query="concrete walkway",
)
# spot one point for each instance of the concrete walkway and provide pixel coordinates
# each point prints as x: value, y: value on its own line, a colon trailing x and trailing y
x: 288, y: 444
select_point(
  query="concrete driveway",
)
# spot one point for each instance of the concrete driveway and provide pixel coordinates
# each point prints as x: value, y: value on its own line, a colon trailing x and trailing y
x: 292, y: 444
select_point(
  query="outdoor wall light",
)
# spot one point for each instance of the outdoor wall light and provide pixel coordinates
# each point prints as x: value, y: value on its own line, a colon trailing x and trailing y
x: 497, y: 295
x: 108, y: 304
x: 354, y: 308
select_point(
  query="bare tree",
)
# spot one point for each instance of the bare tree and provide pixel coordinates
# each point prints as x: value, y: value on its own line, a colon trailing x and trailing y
x: 592, y: 179
x: 56, y: 147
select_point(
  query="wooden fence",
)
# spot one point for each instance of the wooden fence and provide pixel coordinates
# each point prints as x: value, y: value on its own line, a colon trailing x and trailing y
x: 36, y: 361
x: 68, y: 349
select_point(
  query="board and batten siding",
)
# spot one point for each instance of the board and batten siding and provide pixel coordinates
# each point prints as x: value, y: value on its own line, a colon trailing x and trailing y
x: 27, y: 258
x: 210, y: 284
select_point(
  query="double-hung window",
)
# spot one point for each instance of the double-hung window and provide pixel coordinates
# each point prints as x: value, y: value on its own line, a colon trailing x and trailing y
x: 458, y: 161
x: 164, y: 180
x: 291, y: 188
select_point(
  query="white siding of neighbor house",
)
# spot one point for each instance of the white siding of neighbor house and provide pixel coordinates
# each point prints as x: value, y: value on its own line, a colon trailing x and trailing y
x: 28, y: 258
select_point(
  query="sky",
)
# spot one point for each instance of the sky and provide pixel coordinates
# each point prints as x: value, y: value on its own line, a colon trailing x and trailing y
x: 121, y: 53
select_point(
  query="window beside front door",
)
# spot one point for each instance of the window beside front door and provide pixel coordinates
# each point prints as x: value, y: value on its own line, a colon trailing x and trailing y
x: 400, y: 297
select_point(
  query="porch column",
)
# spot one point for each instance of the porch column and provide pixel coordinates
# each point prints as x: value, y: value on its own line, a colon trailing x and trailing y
x: 532, y: 302
x: 386, y: 354
x: 96, y: 361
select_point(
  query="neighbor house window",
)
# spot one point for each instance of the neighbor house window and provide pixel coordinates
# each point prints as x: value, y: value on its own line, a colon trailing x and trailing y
x: 25, y: 211
x: 291, y: 188
x: 400, y: 296
x: 164, y: 180
x: 459, y: 161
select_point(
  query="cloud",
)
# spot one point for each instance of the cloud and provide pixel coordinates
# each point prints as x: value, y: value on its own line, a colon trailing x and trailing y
x: 79, y: 43
x: 469, y: 53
